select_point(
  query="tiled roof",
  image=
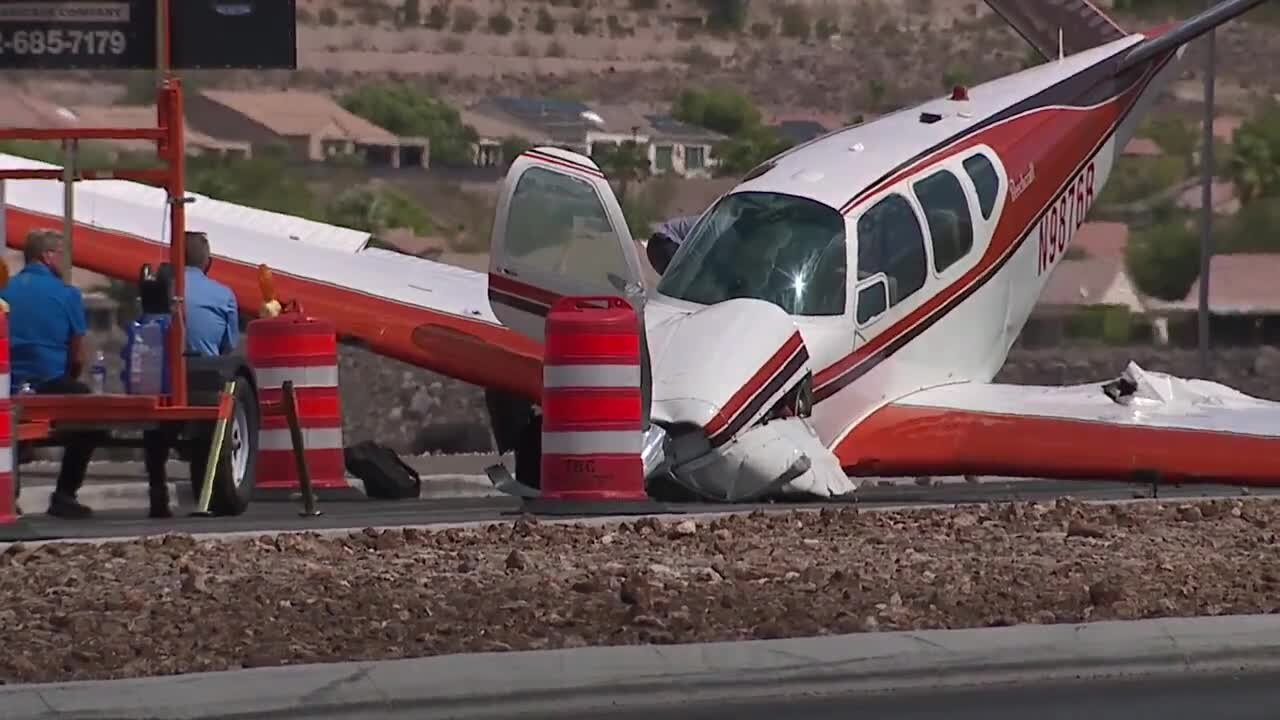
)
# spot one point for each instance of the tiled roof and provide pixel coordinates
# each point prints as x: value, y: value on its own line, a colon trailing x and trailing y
x: 1081, y: 282
x: 295, y: 113
x: 145, y: 116
x: 1244, y: 283
x: 568, y: 120
x: 493, y: 126
x: 25, y: 110
x: 1143, y: 147
x: 1225, y: 200
x: 1102, y: 239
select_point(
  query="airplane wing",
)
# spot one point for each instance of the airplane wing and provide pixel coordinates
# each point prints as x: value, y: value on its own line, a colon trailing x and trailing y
x: 422, y: 312
x: 1138, y: 427
x: 1081, y: 24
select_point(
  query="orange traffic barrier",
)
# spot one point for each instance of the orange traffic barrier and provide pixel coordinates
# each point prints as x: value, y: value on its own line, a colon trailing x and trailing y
x: 303, y: 350
x: 592, y: 409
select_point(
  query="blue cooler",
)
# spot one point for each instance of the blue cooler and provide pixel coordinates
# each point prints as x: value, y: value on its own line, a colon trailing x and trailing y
x: 146, y: 363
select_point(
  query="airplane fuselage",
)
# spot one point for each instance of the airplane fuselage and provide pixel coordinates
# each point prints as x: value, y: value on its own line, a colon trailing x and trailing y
x: 1016, y: 165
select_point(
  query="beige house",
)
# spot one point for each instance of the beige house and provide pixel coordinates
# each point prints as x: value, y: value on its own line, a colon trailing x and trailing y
x: 1097, y: 279
x: 312, y: 126
x: 671, y: 146
x: 1244, y: 303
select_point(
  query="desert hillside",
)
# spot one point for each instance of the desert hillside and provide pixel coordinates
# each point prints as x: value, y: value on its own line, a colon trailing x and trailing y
x: 839, y: 57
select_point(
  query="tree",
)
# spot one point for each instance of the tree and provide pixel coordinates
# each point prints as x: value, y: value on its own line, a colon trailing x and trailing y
x: 512, y: 147
x: 721, y: 109
x: 377, y: 209
x: 1252, y: 230
x: 1253, y: 167
x: 262, y: 182
x: 741, y: 153
x: 411, y: 13
x: 625, y: 163
x: 877, y: 90
x: 1176, y: 137
x: 405, y: 110
x: 726, y: 15
x: 1164, y: 259
x: 437, y: 17
x: 1255, y: 150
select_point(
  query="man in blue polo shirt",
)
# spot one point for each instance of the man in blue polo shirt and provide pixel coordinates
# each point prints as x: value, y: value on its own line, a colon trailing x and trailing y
x: 46, y: 329
x: 212, y: 328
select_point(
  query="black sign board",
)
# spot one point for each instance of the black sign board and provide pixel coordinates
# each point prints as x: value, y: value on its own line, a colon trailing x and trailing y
x: 235, y: 34
x: 121, y: 34
x: 75, y: 34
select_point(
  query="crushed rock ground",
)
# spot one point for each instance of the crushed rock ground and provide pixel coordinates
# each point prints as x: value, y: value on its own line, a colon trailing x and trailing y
x: 172, y: 604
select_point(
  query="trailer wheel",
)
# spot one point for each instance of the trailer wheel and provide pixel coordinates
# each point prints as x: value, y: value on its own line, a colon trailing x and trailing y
x: 238, y: 462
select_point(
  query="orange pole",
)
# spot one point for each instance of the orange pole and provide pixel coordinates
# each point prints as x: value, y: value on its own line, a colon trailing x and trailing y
x: 171, y: 95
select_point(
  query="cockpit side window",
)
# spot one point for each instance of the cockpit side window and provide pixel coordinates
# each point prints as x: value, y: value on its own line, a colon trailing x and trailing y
x: 946, y: 209
x: 985, y: 181
x: 891, y: 241
x: 784, y: 249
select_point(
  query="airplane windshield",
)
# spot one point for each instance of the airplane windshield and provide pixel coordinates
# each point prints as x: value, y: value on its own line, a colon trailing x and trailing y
x: 784, y: 249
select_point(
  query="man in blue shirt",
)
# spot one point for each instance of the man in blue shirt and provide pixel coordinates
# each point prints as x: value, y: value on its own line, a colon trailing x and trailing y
x: 46, y: 330
x: 213, y: 318
x: 212, y: 329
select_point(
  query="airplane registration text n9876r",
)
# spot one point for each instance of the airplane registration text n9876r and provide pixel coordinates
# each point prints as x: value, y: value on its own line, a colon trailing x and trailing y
x: 1065, y: 215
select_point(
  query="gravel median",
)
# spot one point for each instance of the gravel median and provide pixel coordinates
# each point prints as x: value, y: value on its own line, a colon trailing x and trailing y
x: 170, y: 604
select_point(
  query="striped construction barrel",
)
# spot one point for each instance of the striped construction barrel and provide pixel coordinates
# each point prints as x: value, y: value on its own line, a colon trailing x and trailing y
x: 295, y: 347
x: 592, y: 406
x: 8, y: 488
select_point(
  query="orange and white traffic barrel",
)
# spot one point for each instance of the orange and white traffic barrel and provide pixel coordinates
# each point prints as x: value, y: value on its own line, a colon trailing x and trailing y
x: 592, y: 409
x: 305, y: 350
x: 8, y: 488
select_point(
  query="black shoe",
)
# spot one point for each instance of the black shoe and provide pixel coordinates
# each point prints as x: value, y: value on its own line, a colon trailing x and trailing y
x: 65, y: 506
x: 160, y: 505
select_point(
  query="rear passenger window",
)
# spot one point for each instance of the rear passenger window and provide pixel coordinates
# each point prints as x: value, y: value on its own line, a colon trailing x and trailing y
x: 985, y: 181
x: 946, y: 209
x: 890, y: 240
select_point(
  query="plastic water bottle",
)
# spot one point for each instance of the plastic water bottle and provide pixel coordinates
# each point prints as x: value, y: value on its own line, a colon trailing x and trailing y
x: 137, y: 360
x: 98, y: 373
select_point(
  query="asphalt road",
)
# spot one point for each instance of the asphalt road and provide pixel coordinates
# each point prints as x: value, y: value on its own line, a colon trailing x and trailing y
x: 1174, y: 697
x: 276, y: 516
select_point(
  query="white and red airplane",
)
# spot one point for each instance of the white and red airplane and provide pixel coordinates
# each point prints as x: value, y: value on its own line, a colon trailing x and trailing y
x: 840, y: 313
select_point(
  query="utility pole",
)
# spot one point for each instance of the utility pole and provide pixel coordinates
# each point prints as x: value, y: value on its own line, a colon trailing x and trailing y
x: 1206, y: 200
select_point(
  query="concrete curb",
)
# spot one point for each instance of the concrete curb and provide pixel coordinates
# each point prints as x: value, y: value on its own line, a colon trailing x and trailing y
x: 132, y: 494
x: 490, y: 685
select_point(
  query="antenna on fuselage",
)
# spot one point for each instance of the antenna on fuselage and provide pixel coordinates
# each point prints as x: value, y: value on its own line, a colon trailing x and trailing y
x: 1060, y: 51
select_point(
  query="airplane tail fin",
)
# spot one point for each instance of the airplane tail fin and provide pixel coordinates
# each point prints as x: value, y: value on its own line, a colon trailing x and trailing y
x: 1069, y: 26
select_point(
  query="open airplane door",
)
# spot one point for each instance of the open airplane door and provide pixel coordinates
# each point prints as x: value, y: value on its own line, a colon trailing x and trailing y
x: 558, y: 231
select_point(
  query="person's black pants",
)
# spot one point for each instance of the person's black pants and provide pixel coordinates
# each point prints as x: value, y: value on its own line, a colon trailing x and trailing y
x: 156, y: 445
x: 78, y: 446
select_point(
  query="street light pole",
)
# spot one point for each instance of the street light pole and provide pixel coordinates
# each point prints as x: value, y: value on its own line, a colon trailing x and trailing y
x: 1206, y: 199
